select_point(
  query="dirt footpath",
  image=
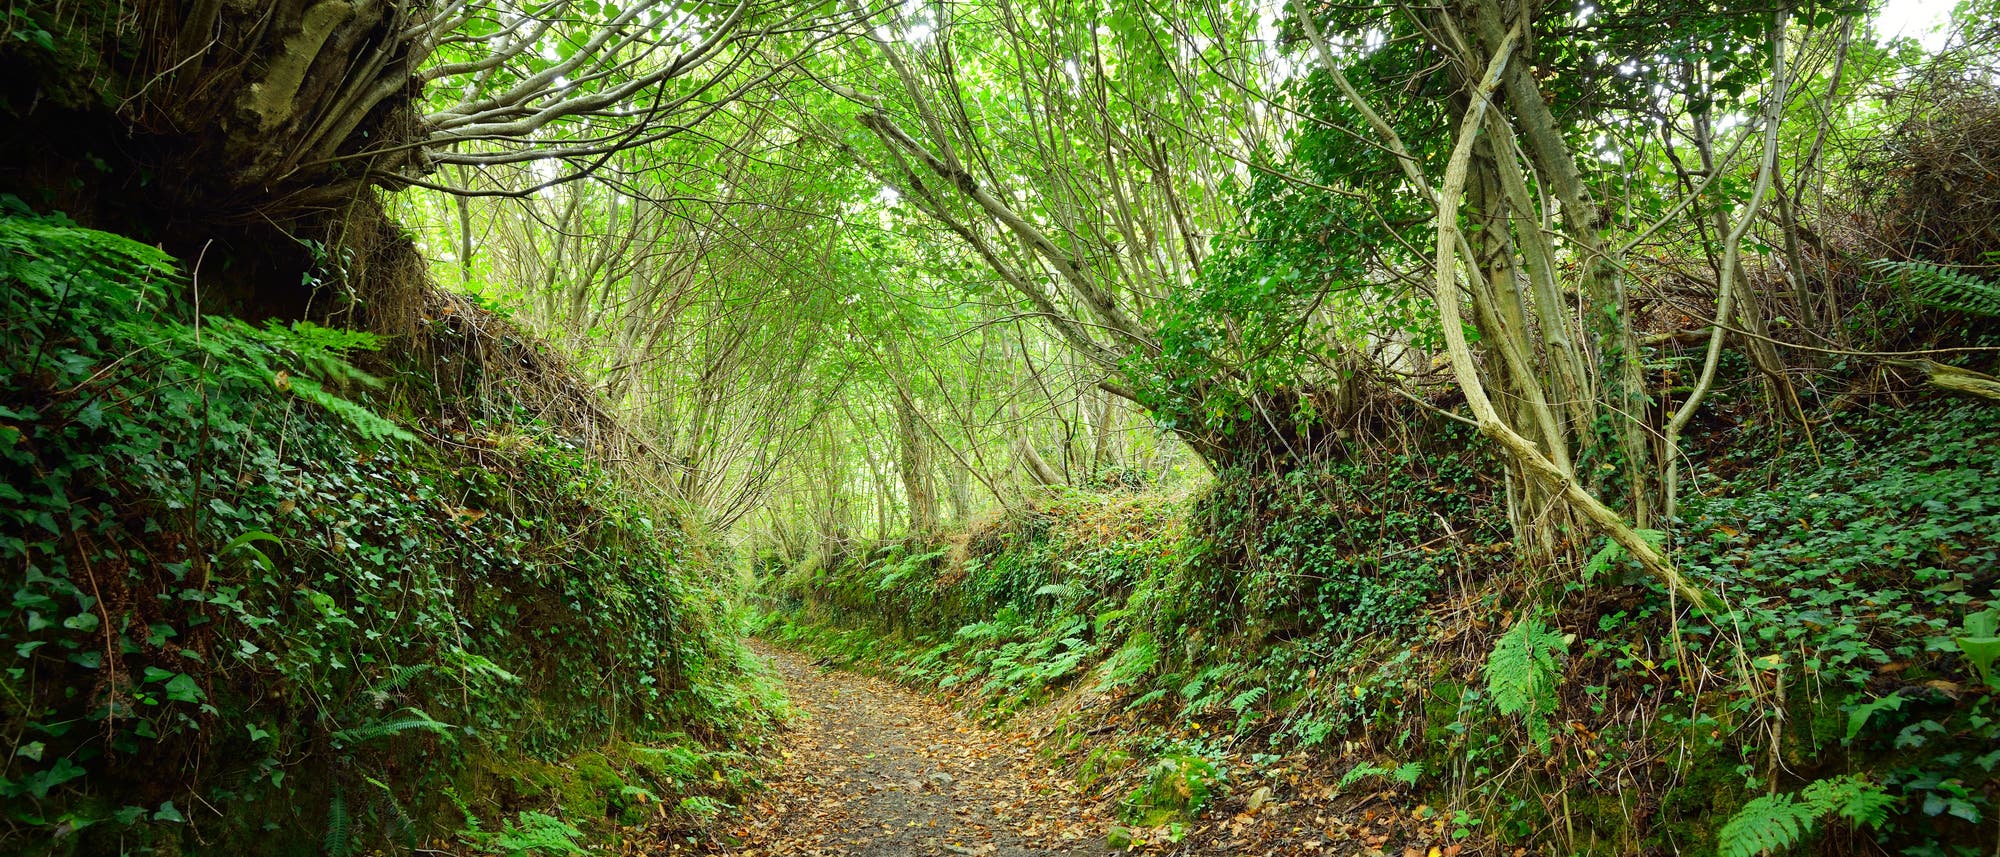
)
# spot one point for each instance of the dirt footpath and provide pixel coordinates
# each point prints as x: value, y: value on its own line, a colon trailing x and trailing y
x: 874, y: 770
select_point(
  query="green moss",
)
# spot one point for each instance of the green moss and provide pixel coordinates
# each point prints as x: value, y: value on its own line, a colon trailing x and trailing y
x: 1178, y: 787
x: 1101, y: 763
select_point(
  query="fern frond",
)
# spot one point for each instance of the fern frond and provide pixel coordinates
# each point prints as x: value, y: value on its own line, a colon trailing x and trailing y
x: 1942, y: 286
x: 1061, y: 591
x: 399, y: 676
x: 339, y: 841
x: 1851, y: 797
x: 113, y: 258
x: 398, y: 822
x: 1358, y: 773
x: 1247, y: 698
x: 538, y: 833
x: 479, y: 665
x: 1778, y: 821
x: 369, y: 424
x: 1521, y: 674
x: 417, y: 720
x: 1764, y: 825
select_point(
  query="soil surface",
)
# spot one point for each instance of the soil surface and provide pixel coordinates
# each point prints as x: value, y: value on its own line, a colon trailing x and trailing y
x: 875, y: 770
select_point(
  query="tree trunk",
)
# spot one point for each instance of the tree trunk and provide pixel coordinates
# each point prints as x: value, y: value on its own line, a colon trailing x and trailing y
x: 915, y: 465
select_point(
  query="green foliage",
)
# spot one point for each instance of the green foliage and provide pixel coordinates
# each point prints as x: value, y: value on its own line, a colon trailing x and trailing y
x: 405, y: 720
x: 1132, y: 662
x: 1855, y: 799
x: 228, y: 551
x: 1406, y: 774
x: 1765, y: 825
x: 1874, y: 554
x: 1522, y: 671
x: 1942, y: 286
x: 1177, y: 787
x: 1851, y: 575
x: 1347, y: 548
x: 535, y: 833
x: 339, y: 839
x: 1777, y: 821
x: 1854, y: 575
x: 1612, y: 555
x: 1981, y: 644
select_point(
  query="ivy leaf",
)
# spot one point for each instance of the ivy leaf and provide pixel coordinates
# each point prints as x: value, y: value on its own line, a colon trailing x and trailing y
x: 64, y: 771
x: 1857, y: 717
x: 183, y: 689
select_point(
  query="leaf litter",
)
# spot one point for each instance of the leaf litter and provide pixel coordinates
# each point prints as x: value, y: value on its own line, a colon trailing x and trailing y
x: 875, y: 770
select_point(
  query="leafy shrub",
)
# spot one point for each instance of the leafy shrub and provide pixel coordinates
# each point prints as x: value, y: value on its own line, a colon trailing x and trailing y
x: 1347, y: 548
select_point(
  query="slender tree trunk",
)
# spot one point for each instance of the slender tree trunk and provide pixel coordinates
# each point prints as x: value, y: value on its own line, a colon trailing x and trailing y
x: 915, y: 465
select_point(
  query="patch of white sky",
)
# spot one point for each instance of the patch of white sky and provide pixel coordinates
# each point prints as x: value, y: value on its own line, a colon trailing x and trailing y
x: 1927, y: 21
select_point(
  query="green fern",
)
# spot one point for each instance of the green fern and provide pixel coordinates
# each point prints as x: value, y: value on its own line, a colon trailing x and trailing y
x: 1060, y: 591
x: 1851, y: 797
x: 398, y: 677
x: 1764, y: 825
x: 1521, y: 674
x: 102, y: 255
x: 397, y: 821
x: 416, y: 720
x: 367, y: 423
x: 339, y: 841
x: 1778, y: 821
x: 1358, y: 773
x: 537, y: 833
x: 1133, y: 661
x: 1407, y: 774
x: 107, y: 284
x: 1244, y: 700
x: 470, y: 664
x: 701, y: 807
x: 1942, y: 286
x: 301, y: 358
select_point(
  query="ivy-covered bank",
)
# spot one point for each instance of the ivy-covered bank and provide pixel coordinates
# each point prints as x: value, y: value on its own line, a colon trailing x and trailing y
x: 1370, y: 623
x: 259, y: 599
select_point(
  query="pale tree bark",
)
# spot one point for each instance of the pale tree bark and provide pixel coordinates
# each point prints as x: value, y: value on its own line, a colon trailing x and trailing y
x: 1731, y: 290
x: 919, y: 486
x: 1534, y: 462
x: 1519, y: 449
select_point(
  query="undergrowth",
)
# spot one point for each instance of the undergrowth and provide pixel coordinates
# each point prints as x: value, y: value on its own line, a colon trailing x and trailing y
x: 248, y: 603
x: 1843, y: 695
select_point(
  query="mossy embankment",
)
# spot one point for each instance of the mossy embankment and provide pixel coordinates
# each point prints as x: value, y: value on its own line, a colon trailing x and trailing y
x: 259, y: 599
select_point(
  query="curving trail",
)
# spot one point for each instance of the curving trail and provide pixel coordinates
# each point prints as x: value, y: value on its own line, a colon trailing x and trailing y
x: 874, y: 770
